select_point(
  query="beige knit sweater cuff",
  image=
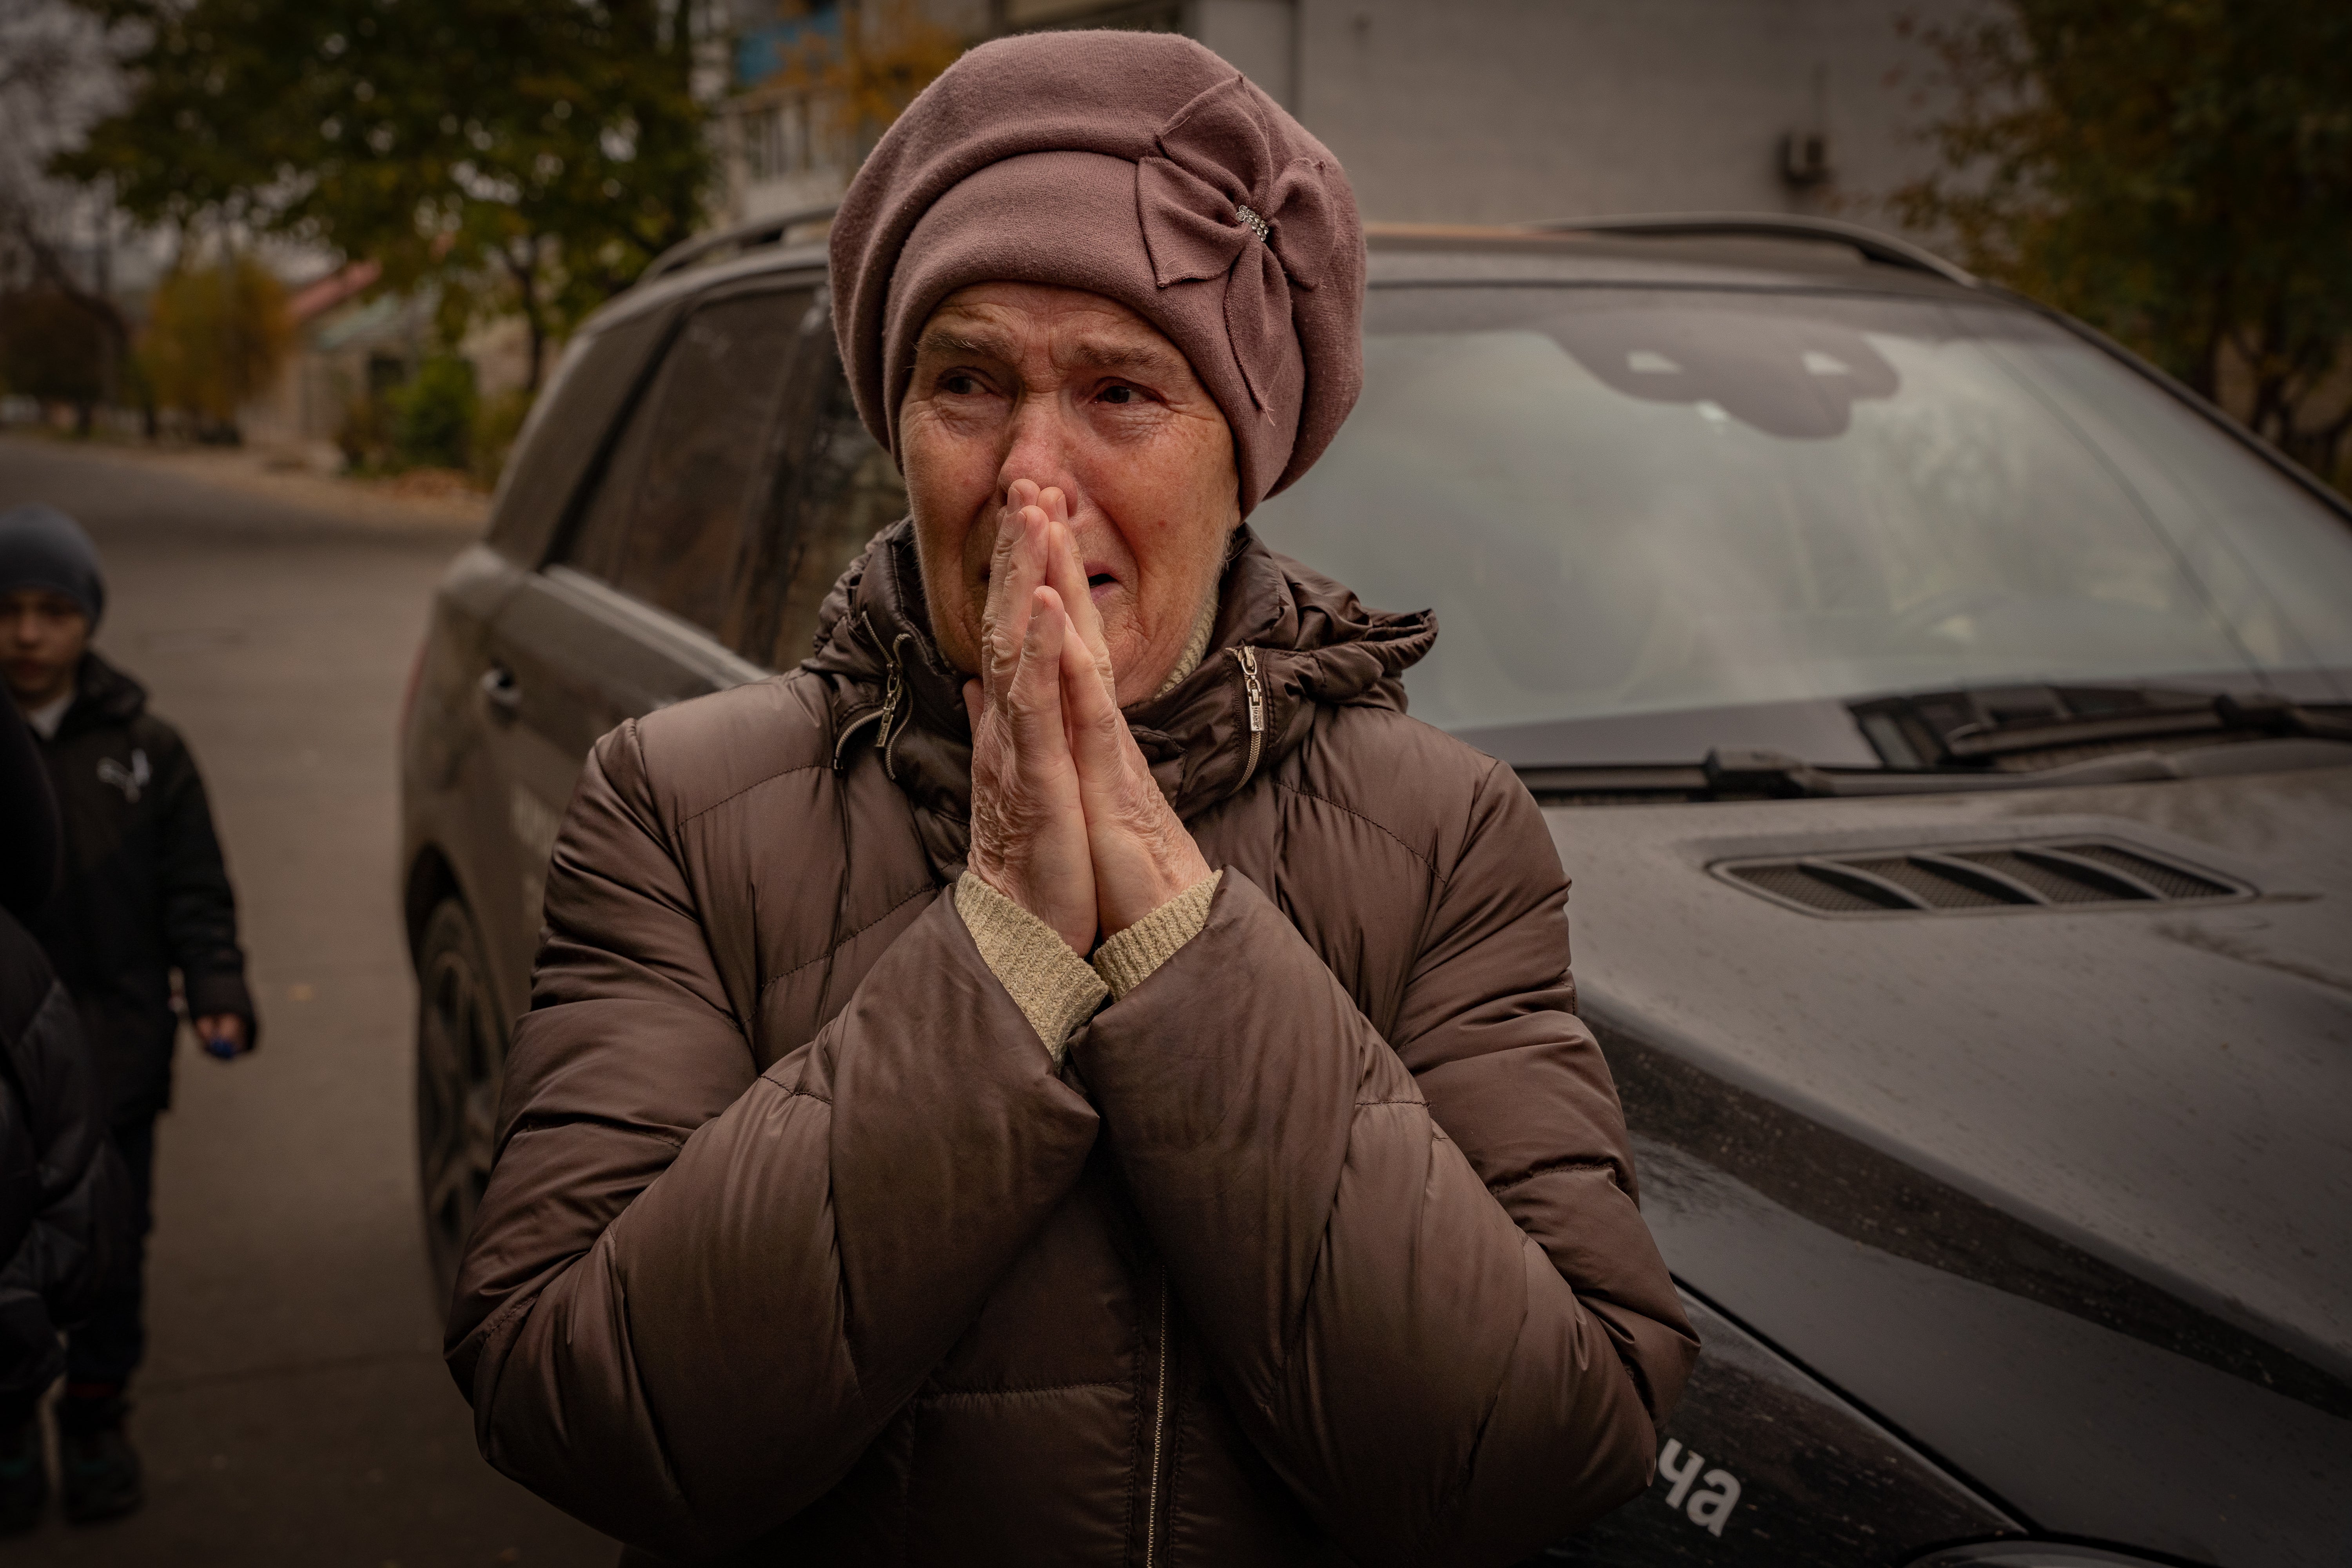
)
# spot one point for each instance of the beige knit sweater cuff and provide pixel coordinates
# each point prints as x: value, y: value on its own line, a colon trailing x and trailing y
x: 1055, y: 989
x: 1127, y: 960
x: 1053, y: 986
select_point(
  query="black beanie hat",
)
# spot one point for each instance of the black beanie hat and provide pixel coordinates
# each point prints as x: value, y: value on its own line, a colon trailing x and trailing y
x: 41, y: 547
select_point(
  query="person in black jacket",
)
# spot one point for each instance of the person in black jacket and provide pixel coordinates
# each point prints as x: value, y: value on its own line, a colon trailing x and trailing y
x: 144, y: 894
x: 61, y: 1194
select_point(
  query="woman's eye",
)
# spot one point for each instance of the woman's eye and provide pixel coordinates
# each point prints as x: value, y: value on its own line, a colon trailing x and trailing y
x: 1118, y: 394
x: 959, y: 384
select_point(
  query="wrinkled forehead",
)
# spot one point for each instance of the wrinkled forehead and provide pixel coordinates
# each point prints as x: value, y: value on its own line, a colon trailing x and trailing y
x: 1042, y: 324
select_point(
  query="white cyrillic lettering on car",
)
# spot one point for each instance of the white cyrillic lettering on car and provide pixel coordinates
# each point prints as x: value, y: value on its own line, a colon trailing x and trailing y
x: 1710, y: 1509
x: 1681, y: 1478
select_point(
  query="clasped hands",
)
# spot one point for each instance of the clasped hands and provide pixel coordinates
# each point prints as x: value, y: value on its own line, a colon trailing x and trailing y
x: 1066, y: 820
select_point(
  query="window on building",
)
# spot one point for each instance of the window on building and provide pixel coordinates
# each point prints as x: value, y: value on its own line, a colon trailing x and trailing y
x: 776, y: 141
x: 384, y: 371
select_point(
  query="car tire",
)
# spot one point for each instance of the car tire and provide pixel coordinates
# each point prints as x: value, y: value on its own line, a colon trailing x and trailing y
x: 460, y: 1058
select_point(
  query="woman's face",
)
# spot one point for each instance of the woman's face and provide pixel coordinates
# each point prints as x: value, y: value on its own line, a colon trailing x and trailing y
x: 1019, y: 381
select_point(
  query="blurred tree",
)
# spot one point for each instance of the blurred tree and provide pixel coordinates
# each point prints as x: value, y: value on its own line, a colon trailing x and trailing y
x: 852, y: 65
x: 54, y: 347
x: 555, y: 145
x: 55, y: 75
x: 433, y: 414
x: 889, y: 51
x: 217, y: 334
x: 2178, y: 172
x: 497, y: 421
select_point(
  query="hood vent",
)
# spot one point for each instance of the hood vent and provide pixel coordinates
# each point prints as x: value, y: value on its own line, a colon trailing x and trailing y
x: 2071, y: 873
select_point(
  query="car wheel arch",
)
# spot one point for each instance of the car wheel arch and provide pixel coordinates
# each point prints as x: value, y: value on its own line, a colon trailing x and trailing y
x: 431, y: 876
x: 461, y: 1040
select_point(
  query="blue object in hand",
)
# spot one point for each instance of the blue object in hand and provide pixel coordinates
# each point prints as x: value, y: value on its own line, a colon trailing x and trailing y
x: 220, y: 1046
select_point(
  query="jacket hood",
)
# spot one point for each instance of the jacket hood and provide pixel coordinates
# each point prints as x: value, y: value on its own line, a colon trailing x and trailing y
x: 102, y: 695
x: 1314, y: 642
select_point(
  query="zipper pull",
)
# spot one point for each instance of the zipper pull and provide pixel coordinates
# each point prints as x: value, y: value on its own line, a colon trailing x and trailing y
x: 890, y: 694
x: 1248, y: 655
x: 893, y: 692
x: 1255, y: 690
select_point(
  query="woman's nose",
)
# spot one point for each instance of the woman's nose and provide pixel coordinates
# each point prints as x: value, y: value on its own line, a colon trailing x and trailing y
x: 1037, y: 447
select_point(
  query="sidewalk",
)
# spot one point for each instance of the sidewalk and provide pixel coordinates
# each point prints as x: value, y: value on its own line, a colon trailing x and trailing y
x: 428, y: 499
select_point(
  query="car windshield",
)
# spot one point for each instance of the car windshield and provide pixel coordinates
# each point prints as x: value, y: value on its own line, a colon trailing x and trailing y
x: 1627, y: 503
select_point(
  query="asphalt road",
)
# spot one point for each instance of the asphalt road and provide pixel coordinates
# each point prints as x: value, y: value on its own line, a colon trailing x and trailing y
x: 294, y: 1409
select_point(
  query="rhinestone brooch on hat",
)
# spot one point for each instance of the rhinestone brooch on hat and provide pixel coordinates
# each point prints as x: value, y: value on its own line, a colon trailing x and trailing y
x: 1252, y: 222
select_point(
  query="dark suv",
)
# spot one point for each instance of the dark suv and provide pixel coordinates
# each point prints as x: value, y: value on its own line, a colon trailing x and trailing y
x: 1944, y: 717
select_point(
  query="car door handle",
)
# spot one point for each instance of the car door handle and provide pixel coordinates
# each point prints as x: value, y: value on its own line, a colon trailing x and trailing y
x: 500, y: 692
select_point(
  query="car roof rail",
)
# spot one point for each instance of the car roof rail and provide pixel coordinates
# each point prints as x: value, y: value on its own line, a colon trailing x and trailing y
x: 743, y: 236
x: 1872, y: 245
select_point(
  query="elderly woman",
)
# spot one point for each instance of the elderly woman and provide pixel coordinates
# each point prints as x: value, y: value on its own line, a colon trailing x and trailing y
x: 1072, y: 1073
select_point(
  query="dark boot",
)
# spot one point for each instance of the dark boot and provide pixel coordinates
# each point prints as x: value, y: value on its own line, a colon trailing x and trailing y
x: 100, y: 1469
x: 24, y: 1474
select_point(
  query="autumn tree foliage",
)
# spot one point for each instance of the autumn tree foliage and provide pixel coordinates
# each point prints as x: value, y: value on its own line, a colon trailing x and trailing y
x: 216, y: 335
x: 552, y: 146
x: 888, y: 52
x: 2178, y: 172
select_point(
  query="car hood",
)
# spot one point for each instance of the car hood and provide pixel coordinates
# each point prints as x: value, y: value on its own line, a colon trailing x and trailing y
x: 2065, y: 1195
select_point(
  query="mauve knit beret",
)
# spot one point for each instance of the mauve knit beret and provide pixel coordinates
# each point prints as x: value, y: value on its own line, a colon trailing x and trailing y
x: 1139, y: 166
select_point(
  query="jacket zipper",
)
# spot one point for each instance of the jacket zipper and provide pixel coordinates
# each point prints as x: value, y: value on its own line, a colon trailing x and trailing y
x: 1255, y: 690
x: 849, y: 732
x: 894, y: 692
x: 1158, y: 1431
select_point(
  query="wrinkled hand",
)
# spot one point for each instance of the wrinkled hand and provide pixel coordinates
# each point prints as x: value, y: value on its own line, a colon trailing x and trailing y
x: 1029, y: 838
x: 1142, y: 854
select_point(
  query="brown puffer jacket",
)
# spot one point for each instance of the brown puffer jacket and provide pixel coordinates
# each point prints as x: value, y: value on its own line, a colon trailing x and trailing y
x: 1323, y: 1247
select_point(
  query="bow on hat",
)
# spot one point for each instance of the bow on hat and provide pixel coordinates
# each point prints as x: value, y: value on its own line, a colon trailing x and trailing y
x: 1219, y: 205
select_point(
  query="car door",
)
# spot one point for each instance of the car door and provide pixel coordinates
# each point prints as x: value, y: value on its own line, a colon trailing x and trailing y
x: 454, y: 781
x: 643, y: 591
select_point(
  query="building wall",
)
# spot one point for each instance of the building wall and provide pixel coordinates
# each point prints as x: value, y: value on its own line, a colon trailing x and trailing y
x: 1491, y: 111
x: 1502, y: 110
x: 1261, y: 38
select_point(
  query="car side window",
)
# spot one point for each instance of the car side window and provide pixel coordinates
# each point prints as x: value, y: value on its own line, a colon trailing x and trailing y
x: 840, y: 491
x: 593, y: 545
x: 696, y: 466
x: 590, y: 384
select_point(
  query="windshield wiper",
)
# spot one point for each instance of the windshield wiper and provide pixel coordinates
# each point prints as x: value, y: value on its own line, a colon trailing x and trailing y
x: 1979, y: 725
x: 1748, y: 774
x: 1965, y: 740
